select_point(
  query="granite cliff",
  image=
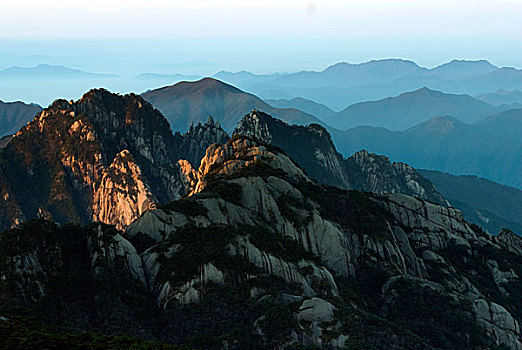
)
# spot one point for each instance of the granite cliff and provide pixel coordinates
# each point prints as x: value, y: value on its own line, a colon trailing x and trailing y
x: 103, y: 158
x: 260, y: 256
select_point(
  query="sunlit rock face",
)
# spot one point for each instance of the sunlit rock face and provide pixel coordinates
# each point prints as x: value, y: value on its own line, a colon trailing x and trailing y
x: 122, y: 193
x: 105, y: 157
x: 312, y: 148
x: 109, y: 158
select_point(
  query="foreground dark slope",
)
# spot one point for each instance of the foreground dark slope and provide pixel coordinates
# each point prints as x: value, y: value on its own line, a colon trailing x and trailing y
x: 188, y: 103
x: 260, y: 257
x: 13, y: 115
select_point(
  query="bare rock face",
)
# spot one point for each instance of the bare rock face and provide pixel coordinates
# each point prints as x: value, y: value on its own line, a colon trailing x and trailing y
x: 425, y: 251
x: 122, y: 194
x: 499, y: 323
x: 105, y: 157
x: 239, y: 153
x: 374, y: 173
x: 197, y: 139
x: 311, y: 146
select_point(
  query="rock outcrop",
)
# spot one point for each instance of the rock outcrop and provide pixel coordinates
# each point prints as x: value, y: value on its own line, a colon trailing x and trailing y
x: 312, y: 148
x: 105, y: 157
x: 375, y: 173
x: 197, y: 139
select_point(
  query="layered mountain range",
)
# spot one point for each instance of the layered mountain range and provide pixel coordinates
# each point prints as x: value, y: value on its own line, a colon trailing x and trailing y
x: 186, y: 103
x: 489, y: 148
x: 343, y: 83
x: 411, y: 108
x: 109, y: 158
x: 48, y: 72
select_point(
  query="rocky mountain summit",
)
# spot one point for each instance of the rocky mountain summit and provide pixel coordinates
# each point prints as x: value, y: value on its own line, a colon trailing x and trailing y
x: 104, y: 158
x: 196, y: 140
x: 259, y: 256
x: 312, y: 148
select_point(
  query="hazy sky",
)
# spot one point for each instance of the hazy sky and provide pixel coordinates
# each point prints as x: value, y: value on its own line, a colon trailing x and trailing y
x: 261, y: 19
x: 204, y: 36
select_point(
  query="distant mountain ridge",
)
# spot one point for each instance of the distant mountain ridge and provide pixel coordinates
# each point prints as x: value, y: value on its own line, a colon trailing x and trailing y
x: 411, y: 108
x: 463, y: 69
x: 343, y: 84
x: 167, y: 77
x: 13, y: 115
x: 503, y: 97
x: 319, y: 110
x: 48, y: 72
x: 345, y: 74
x: 490, y: 148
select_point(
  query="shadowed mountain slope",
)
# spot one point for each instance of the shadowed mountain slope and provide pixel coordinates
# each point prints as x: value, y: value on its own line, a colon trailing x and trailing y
x: 188, y: 103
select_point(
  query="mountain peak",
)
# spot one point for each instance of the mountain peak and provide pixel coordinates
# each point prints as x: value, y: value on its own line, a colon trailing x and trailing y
x: 481, y: 62
x: 425, y: 90
x: 442, y: 124
x: 105, y: 157
x: 211, y: 83
x: 411, y: 108
x: 375, y: 62
x: 188, y: 103
x: 13, y: 115
x: 463, y: 69
x: 399, y: 61
x: 206, y: 85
